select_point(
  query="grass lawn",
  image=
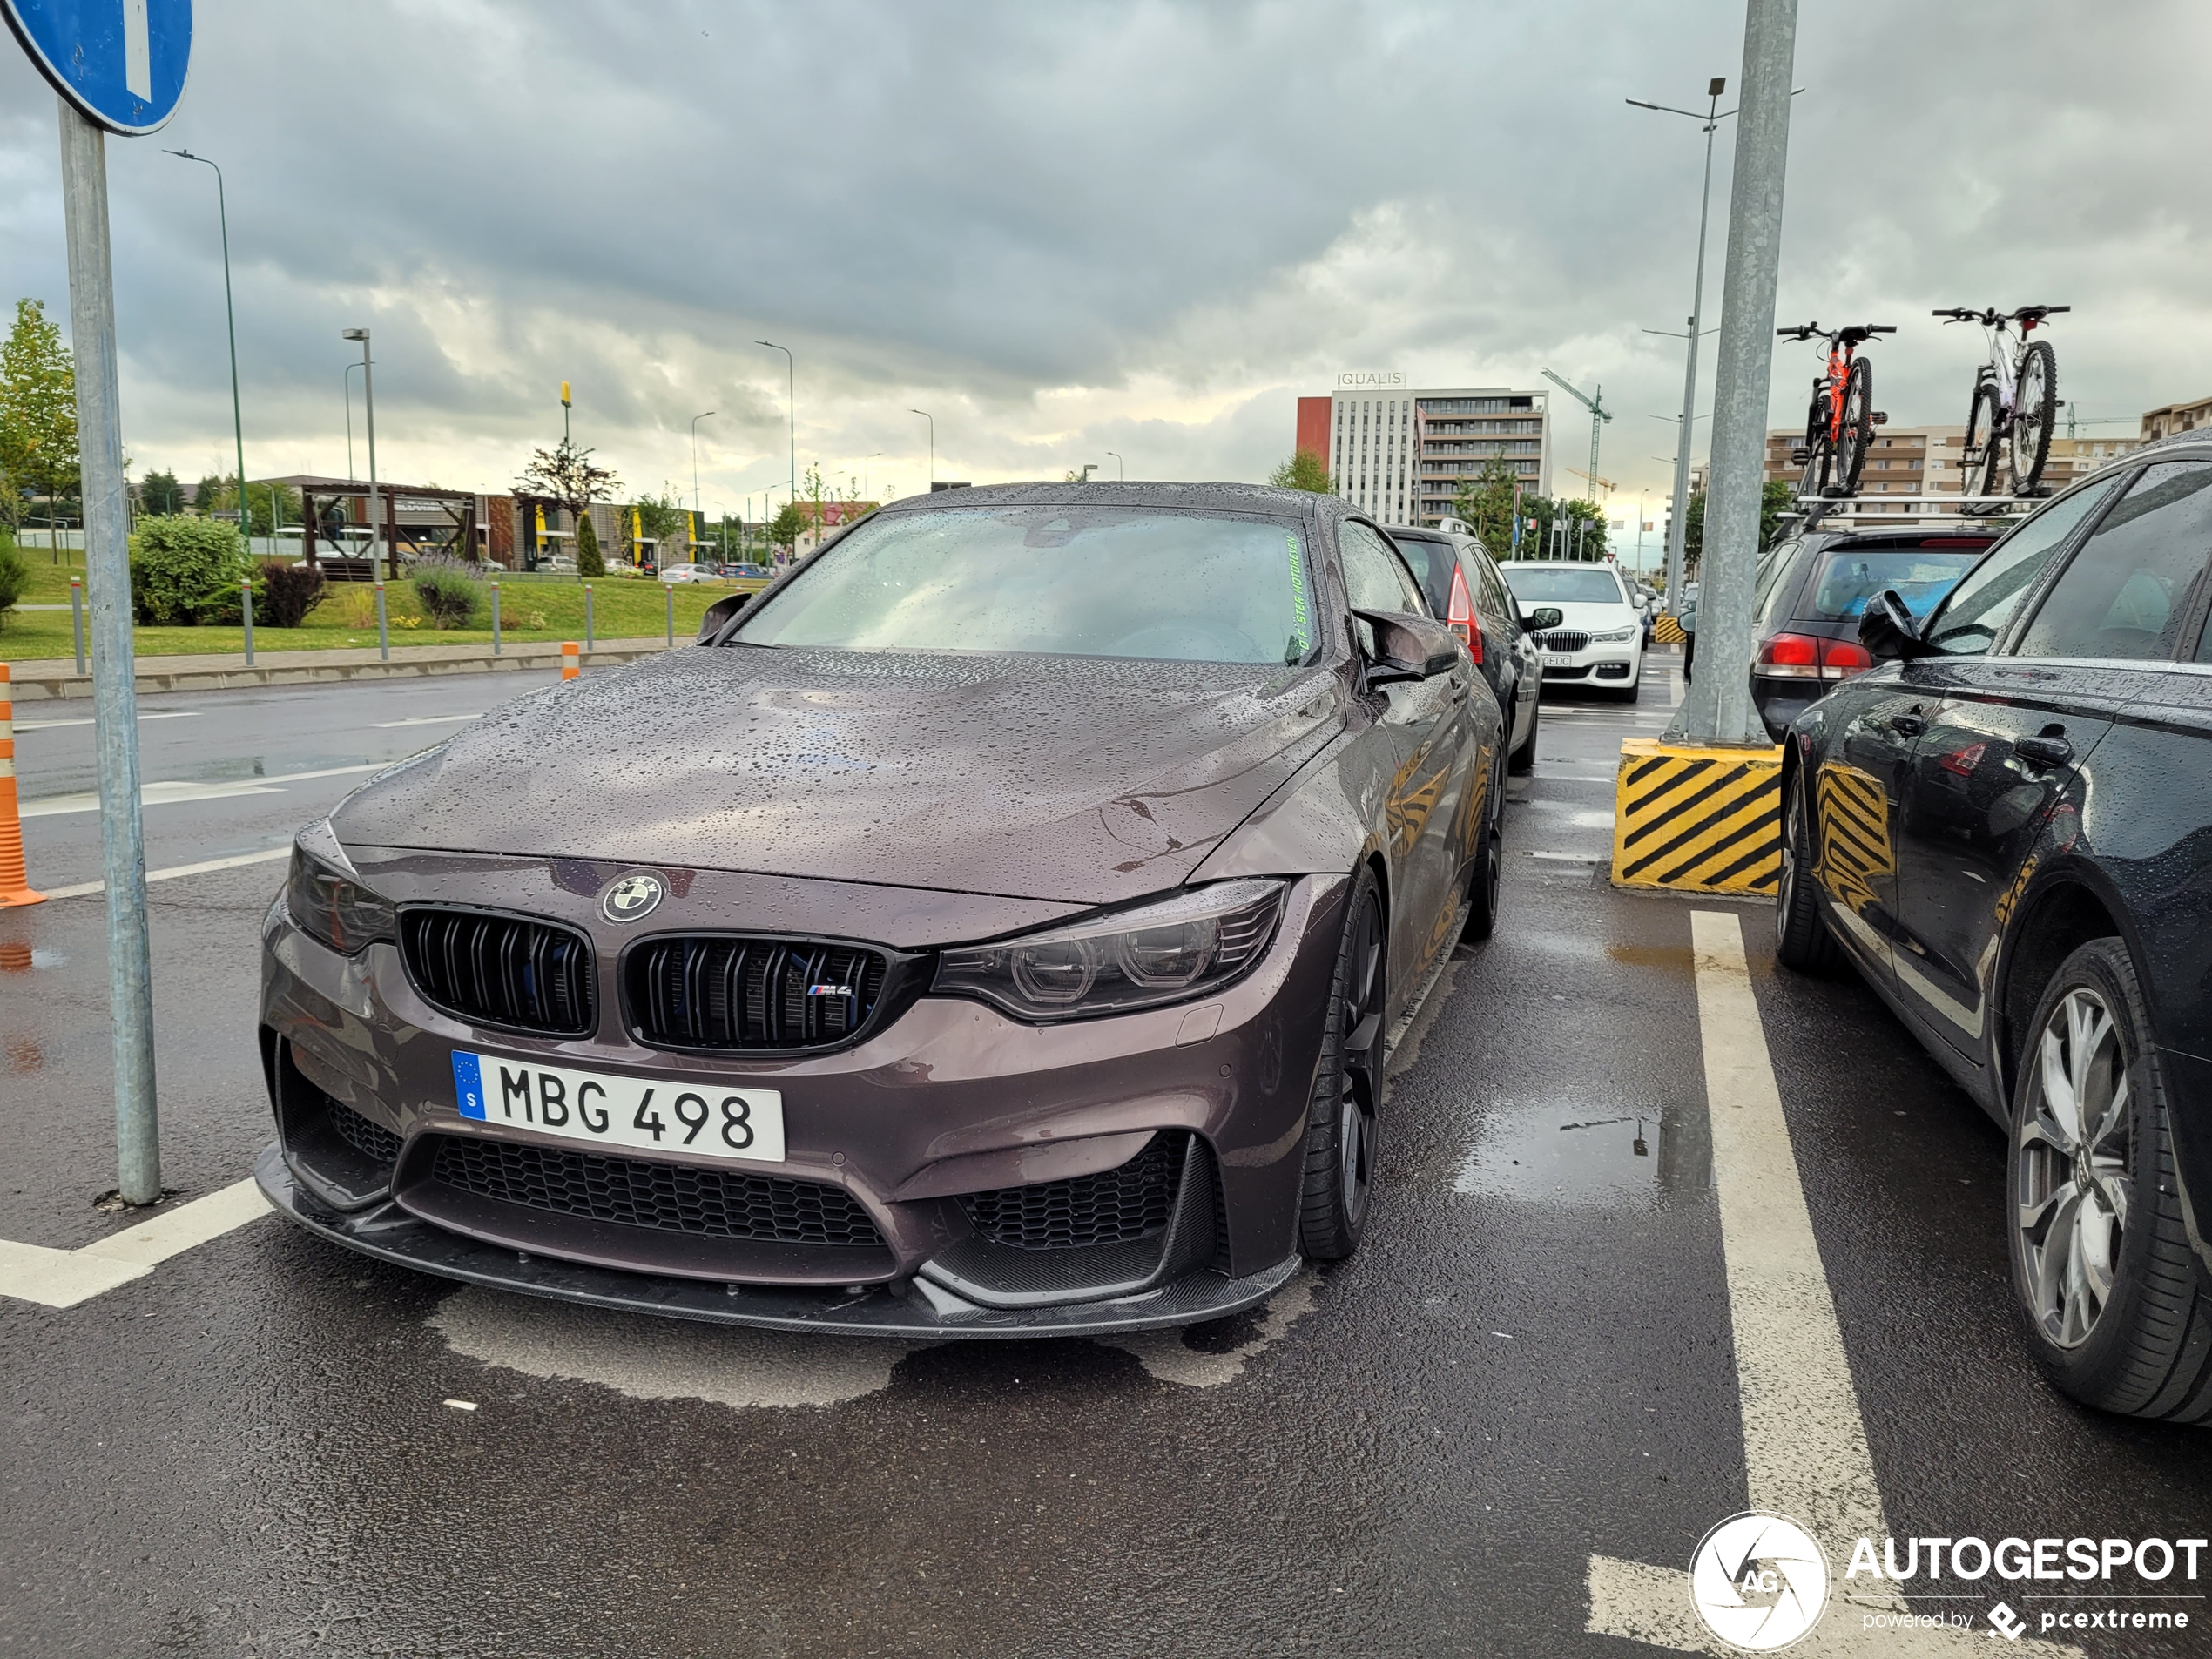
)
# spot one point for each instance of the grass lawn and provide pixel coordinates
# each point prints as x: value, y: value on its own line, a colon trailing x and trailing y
x: 531, y: 608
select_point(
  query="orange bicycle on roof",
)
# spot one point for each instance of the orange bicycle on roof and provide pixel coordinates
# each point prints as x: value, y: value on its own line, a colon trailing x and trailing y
x: 1842, y: 416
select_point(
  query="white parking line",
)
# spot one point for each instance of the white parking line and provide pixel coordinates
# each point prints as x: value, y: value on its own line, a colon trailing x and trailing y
x: 268, y: 855
x: 61, y: 1279
x: 424, y: 719
x: 1804, y: 1442
x: 169, y: 794
x: 51, y: 726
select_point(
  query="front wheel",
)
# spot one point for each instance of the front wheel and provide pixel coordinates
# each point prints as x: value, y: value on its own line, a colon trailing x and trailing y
x: 1340, y: 1129
x: 1483, y: 887
x: 1523, y: 759
x: 1858, y: 428
x: 1981, y: 441
x: 2118, y: 1310
x: 1801, y: 937
x: 2033, y: 415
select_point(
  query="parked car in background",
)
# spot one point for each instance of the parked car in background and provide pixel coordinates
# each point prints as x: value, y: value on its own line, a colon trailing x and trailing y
x: 693, y: 573
x: 2006, y: 826
x: 747, y: 572
x: 1811, y: 591
x: 1599, y: 639
x: 1464, y: 588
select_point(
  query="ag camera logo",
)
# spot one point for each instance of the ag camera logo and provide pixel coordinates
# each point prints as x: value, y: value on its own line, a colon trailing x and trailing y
x: 1759, y: 1581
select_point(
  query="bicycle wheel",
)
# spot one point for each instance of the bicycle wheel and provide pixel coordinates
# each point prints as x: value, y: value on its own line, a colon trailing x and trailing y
x: 1814, y: 480
x: 1858, y: 426
x: 1979, y: 477
x: 2034, y: 414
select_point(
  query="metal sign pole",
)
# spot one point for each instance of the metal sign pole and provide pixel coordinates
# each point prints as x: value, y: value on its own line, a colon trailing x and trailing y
x: 107, y: 569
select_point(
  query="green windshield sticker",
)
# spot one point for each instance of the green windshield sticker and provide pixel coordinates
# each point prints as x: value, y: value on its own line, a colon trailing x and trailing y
x: 1301, y: 639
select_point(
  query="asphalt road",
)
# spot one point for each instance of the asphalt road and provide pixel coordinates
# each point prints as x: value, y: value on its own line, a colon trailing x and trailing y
x: 254, y: 1449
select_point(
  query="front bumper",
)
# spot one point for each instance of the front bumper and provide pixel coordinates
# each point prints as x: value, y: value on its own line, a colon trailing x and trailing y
x: 1610, y: 664
x: 948, y: 1103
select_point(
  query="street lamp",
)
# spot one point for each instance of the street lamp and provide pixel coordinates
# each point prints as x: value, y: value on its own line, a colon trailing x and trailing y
x: 931, y: 419
x: 346, y: 381
x: 878, y: 456
x: 695, y: 460
x: 1120, y: 465
x: 230, y: 317
x: 791, y: 405
x: 369, y: 408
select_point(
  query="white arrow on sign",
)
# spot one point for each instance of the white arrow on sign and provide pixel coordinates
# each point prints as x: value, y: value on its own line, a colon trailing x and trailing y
x: 137, y: 50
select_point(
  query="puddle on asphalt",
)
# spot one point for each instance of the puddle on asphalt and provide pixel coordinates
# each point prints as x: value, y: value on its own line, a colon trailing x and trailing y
x: 1574, y: 1151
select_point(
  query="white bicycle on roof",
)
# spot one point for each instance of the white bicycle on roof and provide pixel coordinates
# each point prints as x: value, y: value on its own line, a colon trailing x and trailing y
x: 2016, y: 397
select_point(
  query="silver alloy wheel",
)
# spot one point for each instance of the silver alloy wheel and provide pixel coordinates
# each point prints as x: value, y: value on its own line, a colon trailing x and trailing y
x: 1785, y: 890
x: 2070, y: 1189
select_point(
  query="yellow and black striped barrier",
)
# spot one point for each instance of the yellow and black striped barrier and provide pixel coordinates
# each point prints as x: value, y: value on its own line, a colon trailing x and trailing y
x: 1666, y: 630
x: 1698, y: 819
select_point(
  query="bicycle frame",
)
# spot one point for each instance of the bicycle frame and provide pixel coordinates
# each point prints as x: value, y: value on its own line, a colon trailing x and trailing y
x: 1838, y: 378
x: 2002, y: 371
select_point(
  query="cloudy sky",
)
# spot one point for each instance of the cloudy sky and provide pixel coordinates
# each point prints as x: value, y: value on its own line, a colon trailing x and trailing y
x: 1073, y: 228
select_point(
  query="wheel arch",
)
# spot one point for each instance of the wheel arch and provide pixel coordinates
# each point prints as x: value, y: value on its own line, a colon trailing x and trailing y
x: 2057, y: 916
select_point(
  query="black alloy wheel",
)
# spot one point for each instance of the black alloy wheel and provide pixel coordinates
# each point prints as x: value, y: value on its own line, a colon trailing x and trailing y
x: 1802, y: 940
x: 1488, y: 875
x: 1858, y: 426
x: 2118, y: 1310
x: 1979, y: 456
x: 1340, y: 1132
x: 1523, y: 759
x: 2034, y: 412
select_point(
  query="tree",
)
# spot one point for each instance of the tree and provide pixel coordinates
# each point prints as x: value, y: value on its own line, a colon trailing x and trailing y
x: 1488, y: 503
x: 1776, y: 498
x: 160, y: 494
x: 788, y: 525
x: 660, y: 518
x: 38, y: 413
x: 589, y: 563
x: 1303, y: 471
x: 204, y: 493
x: 15, y: 576
x: 569, y: 478
x: 264, y: 504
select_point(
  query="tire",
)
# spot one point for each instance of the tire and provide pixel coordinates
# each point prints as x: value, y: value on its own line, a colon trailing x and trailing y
x: 2144, y: 1346
x: 2034, y: 414
x: 1488, y: 876
x: 1522, y: 760
x: 1340, y: 1130
x: 1802, y: 940
x: 1979, y: 477
x: 1858, y: 426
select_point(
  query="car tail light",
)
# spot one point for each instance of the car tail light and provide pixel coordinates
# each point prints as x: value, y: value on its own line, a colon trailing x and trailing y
x: 1459, y: 614
x: 1807, y: 657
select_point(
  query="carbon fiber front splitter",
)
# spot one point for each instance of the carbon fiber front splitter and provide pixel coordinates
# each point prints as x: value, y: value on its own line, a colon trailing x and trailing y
x: 913, y: 1308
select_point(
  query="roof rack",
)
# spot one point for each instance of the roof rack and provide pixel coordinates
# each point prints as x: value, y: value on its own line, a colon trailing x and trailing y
x: 1859, y: 513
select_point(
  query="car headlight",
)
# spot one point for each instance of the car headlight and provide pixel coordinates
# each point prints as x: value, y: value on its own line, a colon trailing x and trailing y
x: 327, y: 898
x: 1613, y: 636
x: 1179, y: 947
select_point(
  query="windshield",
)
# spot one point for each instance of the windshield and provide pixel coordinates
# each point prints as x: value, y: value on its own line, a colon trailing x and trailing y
x: 1921, y: 575
x: 1535, y: 584
x: 1055, y: 581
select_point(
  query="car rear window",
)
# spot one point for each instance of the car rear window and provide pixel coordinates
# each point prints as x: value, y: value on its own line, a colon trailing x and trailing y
x: 1551, y: 585
x: 1434, y: 562
x: 1060, y: 581
x: 1921, y: 575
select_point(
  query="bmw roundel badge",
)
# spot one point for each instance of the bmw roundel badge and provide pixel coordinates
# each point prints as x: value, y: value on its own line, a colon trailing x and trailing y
x: 631, y: 897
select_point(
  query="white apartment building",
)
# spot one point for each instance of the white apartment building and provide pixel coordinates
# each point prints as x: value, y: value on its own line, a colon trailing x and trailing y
x: 1401, y: 453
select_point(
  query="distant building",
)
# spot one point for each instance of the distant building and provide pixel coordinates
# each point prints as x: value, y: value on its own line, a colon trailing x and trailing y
x: 1402, y: 454
x: 2176, y: 417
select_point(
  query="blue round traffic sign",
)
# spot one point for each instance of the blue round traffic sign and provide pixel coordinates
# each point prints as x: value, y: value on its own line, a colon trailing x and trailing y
x: 121, y: 62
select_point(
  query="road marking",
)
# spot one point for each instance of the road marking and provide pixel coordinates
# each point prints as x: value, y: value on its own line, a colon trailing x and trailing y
x: 61, y: 1279
x: 1805, y: 1453
x: 424, y: 719
x: 169, y: 794
x: 51, y: 726
x: 86, y: 889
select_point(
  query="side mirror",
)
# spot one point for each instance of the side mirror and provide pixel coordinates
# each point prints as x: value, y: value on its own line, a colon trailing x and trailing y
x: 1889, y: 631
x: 1542, y: 619
x: 1409, y: 647
x: 720, y: 615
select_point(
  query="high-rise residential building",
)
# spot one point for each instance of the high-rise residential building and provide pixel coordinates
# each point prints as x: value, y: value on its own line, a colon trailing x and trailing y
x: 1923, y: 460
x: 2176, y: 417
x: 1401, y: 453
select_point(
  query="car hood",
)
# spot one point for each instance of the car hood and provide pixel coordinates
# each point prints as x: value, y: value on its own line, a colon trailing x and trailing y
x: 1594, y: 618
x: 1069, y: 778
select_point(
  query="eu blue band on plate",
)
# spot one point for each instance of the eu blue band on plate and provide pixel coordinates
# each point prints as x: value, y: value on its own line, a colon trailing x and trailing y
x: 467, y: 1085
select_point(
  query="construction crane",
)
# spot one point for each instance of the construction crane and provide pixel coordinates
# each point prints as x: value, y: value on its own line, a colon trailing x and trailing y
x: 1599, y: 414
x: 1596, y: 483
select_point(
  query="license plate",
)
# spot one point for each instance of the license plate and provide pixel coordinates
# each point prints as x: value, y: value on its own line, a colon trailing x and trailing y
x: 1559, y: 662
x: 656, y: 1115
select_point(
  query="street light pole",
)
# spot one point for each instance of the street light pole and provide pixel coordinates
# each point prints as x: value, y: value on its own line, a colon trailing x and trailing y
x: 230, y: 317
x: 695, y: 460
x: 1121, y: 466
x: 864, y: 471
x: 931, y: 419
x: 346, y: 381
x: 368, y: 409
x: 791, y: 405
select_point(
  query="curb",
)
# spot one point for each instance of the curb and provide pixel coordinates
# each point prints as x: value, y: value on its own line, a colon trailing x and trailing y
x: 35, y: 682
x: 1694, y: 819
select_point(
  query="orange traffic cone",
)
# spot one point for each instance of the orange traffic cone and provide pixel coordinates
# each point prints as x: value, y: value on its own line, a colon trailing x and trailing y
x: 15, y: 879
x: 571, y: 662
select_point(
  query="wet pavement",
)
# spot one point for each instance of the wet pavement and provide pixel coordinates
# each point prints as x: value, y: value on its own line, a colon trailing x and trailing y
x: 256, y: 1448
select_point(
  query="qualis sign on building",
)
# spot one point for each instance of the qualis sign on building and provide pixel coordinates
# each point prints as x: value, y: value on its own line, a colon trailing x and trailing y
x: 1371, y: 379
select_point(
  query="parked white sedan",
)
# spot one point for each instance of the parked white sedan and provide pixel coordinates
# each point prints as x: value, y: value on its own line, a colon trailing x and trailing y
x: 1600, y: 637
x: 678, y: 573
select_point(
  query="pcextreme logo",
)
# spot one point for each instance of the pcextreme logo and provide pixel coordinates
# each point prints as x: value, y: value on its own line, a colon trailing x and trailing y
x: 1759, y: 1581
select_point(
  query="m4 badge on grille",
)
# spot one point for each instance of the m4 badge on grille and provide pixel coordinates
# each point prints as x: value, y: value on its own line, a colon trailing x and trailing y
x: 831, y: 991
x: 631, y: 897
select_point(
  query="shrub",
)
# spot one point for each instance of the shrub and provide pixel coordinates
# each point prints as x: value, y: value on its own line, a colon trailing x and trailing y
x: 288, y: 593
x: 449, y: 595
x: 588, y: 562
x: 185, y: 572
x: 15, y: 575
